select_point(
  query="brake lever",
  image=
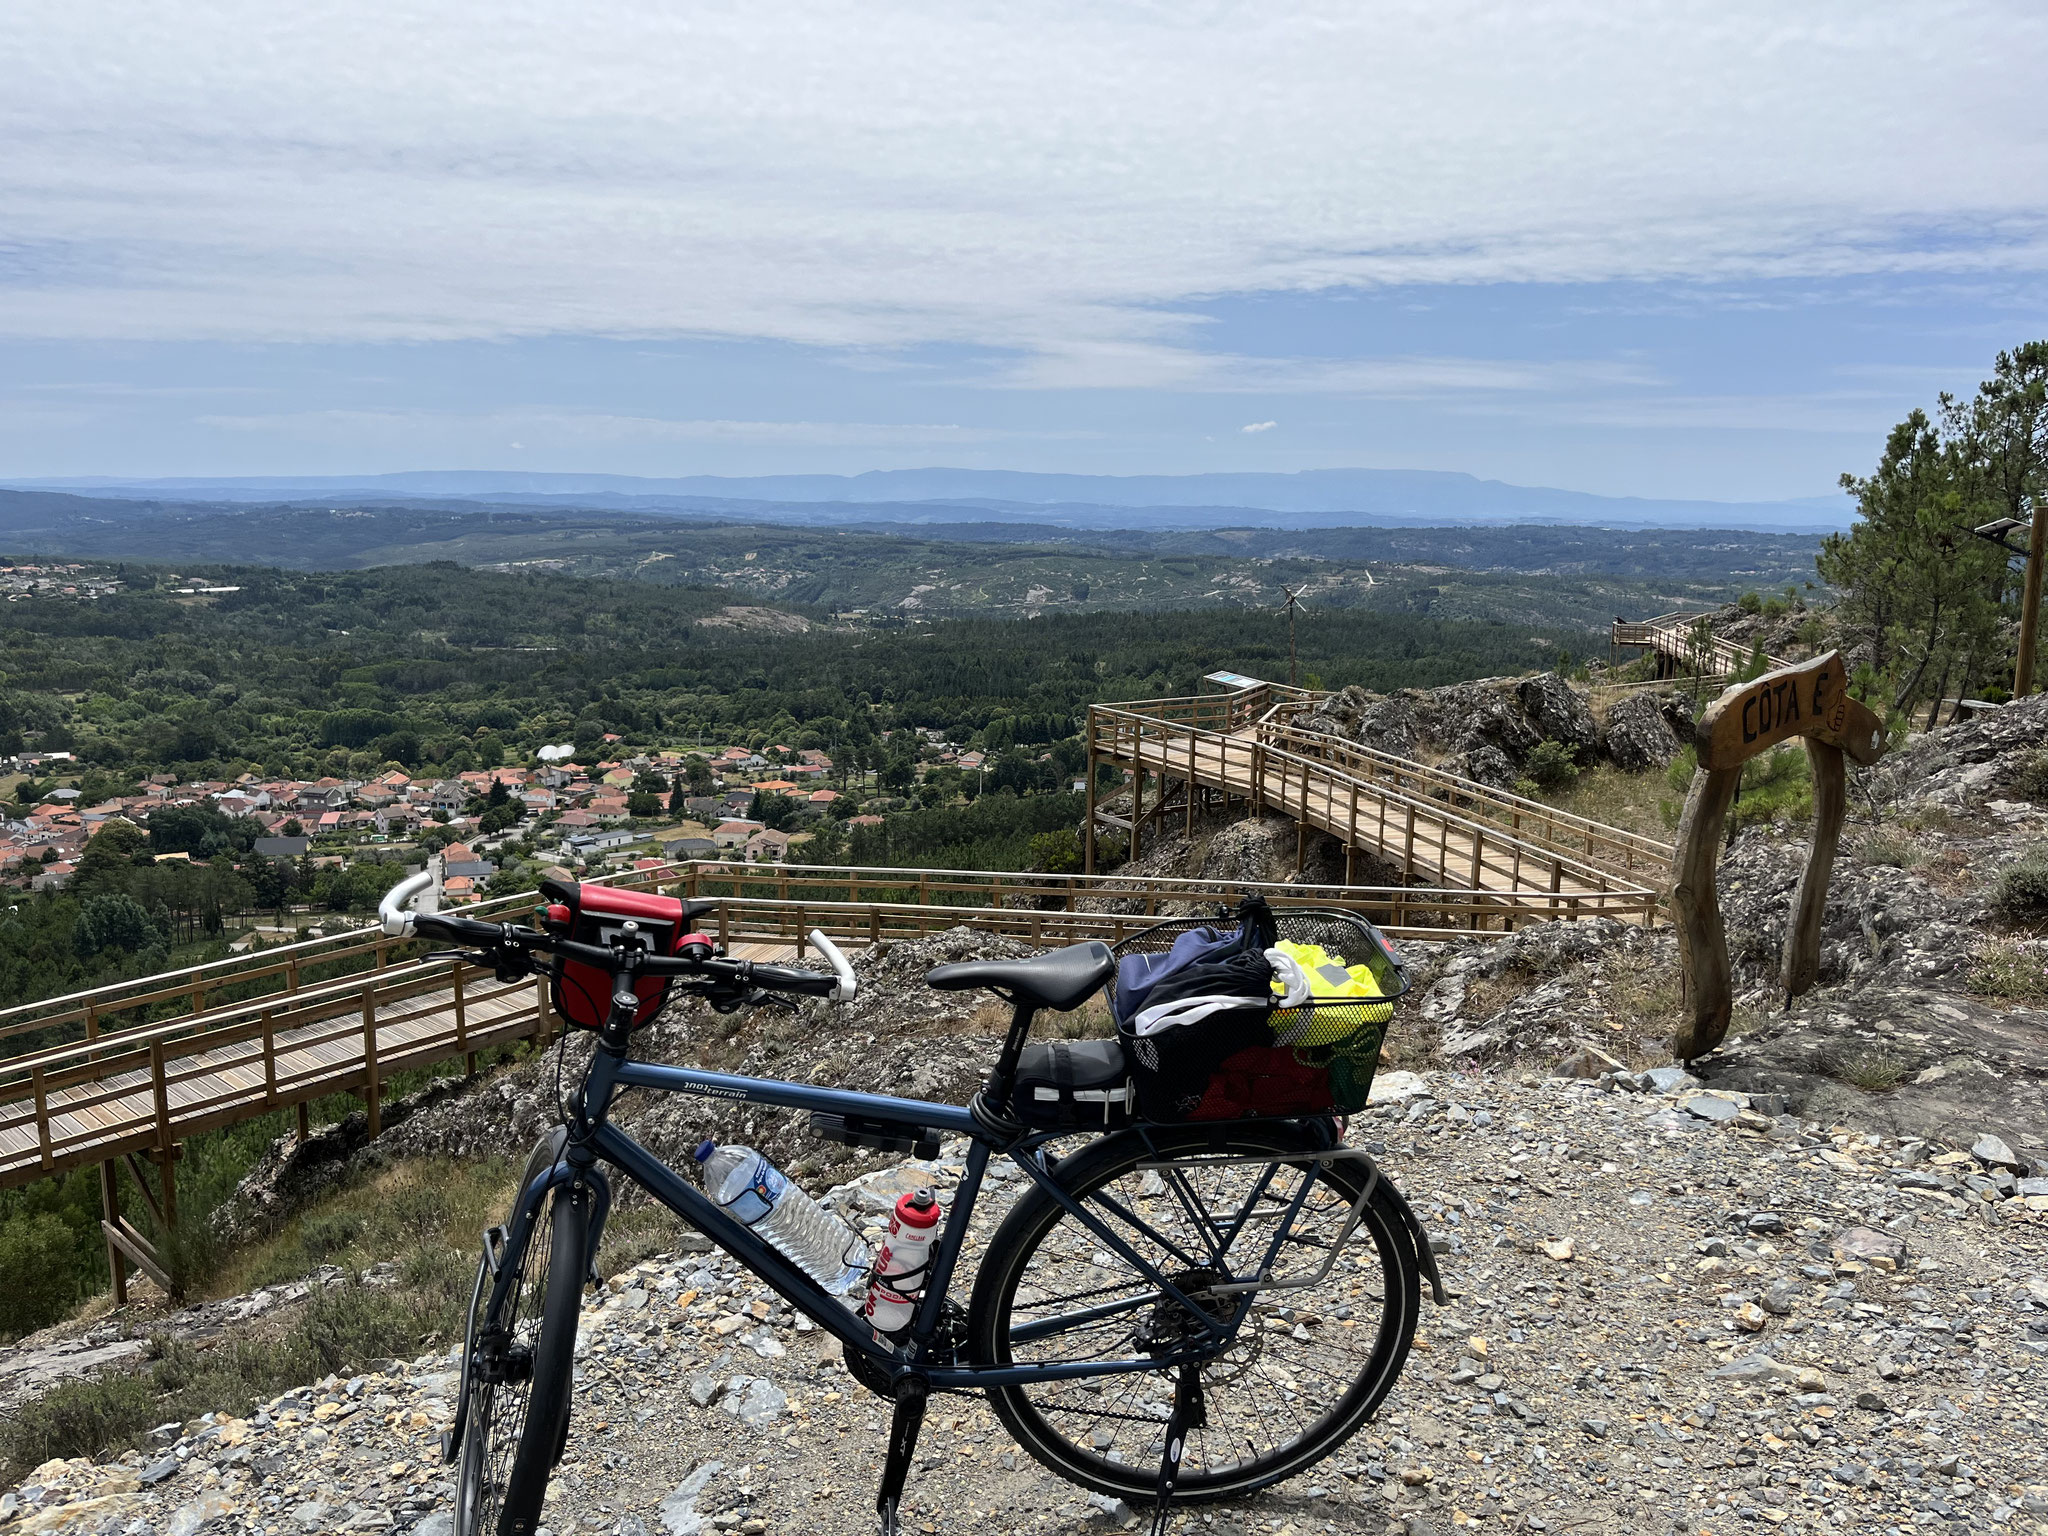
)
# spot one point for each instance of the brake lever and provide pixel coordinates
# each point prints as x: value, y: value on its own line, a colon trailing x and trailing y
x: 505, y: 962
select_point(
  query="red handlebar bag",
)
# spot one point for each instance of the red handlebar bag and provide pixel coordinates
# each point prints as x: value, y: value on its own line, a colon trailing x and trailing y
x: 597, y: 914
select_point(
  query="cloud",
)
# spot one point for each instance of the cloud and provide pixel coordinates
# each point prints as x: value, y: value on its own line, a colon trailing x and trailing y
x: 889, y: 175
x: 1251, y: 428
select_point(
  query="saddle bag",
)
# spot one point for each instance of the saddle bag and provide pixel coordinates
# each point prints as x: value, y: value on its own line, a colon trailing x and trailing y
x: 1073, y: 1085
x: 597, y: 914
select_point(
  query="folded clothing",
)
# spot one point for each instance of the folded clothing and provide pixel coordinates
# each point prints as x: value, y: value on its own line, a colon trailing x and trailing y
x: 1138, y: 974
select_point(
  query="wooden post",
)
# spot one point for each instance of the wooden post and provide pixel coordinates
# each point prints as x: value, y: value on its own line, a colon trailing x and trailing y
x: 462, y: 1025
x: 110, y: 1218
x: 2030, y: 601
x: 540, y: 1007
x: 1830, y: 804
x: 269, y: 1062
x: 1408, y: 850
x: 373, y: 1098
x: 1748, y: 719
x: 1088, y: 822
x: 1702, y: 938
x: 42, y: 1115
x: 305, y: 1123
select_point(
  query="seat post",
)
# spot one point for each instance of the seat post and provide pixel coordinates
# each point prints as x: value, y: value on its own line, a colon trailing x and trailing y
x: 1003, y: 1078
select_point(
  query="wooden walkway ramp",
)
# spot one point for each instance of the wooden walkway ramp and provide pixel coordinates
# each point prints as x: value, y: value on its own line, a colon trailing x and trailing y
x: 1427, y: 824
x: 1682, y: 646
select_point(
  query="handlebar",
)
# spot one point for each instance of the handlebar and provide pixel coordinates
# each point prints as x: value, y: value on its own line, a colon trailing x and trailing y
x: 400, y: 921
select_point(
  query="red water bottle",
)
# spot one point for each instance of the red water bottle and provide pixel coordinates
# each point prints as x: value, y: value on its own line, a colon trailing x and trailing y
x: 900, y: 1268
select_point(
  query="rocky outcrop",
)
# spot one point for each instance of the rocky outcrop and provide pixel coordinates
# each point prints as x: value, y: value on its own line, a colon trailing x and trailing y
x: 1486, y: 730
x: 1639, y: 737
x: 1559, y: 713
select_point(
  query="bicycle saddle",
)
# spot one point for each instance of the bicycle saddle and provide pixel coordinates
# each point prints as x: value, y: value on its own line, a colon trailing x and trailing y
x: 1059, y: 981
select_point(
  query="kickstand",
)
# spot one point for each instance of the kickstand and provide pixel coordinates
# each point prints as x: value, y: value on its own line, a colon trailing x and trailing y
x: 1189, y: 1412
x: 903, y: 1428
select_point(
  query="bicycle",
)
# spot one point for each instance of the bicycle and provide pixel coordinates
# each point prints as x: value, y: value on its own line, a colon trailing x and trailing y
x: 1124, y: 1308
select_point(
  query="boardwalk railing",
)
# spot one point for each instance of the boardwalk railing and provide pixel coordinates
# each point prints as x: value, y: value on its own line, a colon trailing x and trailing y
x: 1428, y: 823
x: 1676, y: 638
x: 122, y: 1091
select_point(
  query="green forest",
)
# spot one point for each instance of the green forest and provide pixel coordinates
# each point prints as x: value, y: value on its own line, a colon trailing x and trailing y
x: 439, y: 666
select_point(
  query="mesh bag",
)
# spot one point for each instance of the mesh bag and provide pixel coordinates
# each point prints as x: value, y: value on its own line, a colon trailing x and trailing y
x: 1318, y: 1058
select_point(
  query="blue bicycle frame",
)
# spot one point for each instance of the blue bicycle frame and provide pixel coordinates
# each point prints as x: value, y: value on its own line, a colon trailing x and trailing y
x: 593, y: 1140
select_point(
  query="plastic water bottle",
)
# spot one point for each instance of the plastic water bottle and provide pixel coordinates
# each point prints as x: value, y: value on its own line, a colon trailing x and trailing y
x: 757, y: 1193
x: 899, y: 1274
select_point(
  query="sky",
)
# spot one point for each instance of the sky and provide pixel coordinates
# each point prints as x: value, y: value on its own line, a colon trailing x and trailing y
x: 1680, y: 250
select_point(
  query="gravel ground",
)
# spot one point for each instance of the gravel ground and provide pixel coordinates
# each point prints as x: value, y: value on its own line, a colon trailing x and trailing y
x: 1673, y: 1312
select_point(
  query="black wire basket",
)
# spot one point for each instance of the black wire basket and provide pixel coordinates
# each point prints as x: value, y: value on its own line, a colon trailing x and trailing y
x: 1338, y: 1035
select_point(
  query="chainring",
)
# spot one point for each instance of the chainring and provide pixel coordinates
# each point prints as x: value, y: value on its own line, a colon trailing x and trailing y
x: 947, y: 1343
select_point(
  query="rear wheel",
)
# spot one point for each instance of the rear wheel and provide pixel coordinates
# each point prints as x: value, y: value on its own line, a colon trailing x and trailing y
x: 519, y: 1369
x: 1307, y: 1367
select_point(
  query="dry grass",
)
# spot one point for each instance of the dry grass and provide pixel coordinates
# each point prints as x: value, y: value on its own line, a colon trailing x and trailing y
x: 1892, y: 846
x: 1638, y: 802
x: 1091, y: 1021
x: 1643, y: 1003
x: 2007, y: 969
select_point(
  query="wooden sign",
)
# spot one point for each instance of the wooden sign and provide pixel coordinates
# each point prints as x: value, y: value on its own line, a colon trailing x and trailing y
x: 1810, y: 700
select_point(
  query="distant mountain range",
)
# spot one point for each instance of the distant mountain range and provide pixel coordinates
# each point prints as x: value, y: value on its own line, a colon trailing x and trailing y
x: 1320, y: 498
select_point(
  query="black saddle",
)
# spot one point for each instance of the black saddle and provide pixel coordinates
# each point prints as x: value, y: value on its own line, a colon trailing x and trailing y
x: 1061, y: 980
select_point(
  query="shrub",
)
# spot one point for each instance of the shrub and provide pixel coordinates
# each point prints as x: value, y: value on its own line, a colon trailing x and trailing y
x: 2030, y: 779
x: 1057, y: 852
x: 38, y: 1279
x: 2002, y: 968
x: 1874, y: 1070
x: 1750, y: 602
x: 1891, y: 846
x: 1551, y: 765
x: 2022, y: 885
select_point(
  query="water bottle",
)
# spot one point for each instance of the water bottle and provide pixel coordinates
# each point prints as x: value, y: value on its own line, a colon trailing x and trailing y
x: 757, y: 1193
x: 899, y: 1272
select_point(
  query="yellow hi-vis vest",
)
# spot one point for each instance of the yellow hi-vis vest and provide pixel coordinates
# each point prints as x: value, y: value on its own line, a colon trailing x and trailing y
x: 1330, y: 981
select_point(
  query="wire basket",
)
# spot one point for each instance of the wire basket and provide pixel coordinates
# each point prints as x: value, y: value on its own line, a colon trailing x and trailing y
x: 1341, y: 1035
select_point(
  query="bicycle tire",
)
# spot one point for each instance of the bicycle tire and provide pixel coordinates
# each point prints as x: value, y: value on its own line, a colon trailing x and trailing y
x: 1024, y: 1253
x: 514, y: 1437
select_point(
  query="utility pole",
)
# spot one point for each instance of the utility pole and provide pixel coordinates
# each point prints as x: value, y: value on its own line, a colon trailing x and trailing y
x: 1292, y: 601
x: 2030, y: 604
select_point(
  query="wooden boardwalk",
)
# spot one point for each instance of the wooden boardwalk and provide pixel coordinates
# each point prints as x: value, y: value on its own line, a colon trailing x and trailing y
x: 128, y: 1072
x: 1427, y: 824
x: 265, y: 1032
x: 1681, y: 648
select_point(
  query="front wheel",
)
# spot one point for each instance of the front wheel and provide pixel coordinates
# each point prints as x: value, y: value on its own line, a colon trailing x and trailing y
x: 520, y: 1368
x: 1307, y: 1366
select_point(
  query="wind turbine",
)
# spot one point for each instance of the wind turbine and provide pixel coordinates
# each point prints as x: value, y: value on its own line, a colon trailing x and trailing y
x: 1293, y: 602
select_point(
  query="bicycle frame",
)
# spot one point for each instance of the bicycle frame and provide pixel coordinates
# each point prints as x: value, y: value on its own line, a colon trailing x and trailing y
x: 593, y: 1140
